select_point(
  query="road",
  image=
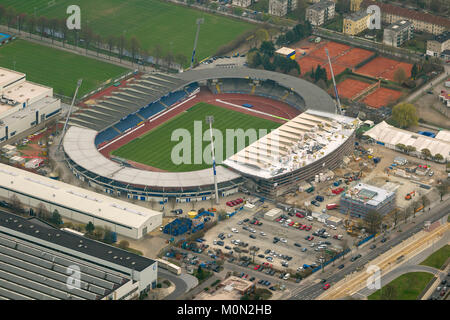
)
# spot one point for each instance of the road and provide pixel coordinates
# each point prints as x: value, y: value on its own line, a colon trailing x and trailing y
x: 412, y: 265
x: 429, y: 86
x: 311, y: 292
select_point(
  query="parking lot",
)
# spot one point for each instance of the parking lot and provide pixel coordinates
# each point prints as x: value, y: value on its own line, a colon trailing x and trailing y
x: 290, y: 251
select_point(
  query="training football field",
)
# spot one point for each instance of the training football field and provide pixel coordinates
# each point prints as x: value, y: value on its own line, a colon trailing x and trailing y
x: 155, y: 147
x: 56, y: 68
x: 153, y: 22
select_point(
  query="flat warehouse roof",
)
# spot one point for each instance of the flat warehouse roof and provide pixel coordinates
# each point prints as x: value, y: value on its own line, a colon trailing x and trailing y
x: 8, y: 76
x: 26, y: 91
x: 97, y: 205
x: 72, y: 241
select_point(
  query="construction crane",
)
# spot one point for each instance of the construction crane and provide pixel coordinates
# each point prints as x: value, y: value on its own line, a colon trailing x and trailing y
x: 198, y: 22
x: 69, y: 113
x: 339, y: 110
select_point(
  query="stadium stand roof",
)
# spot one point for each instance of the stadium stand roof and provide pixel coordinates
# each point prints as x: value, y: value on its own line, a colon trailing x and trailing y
x: 35, y: 257
x: 314, y: 97
x: 310, y: 136
x: 79, y: 145
x: 92, y: 203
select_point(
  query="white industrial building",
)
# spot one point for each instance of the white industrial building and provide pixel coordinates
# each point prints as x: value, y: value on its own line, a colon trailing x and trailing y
x: 389, y: 136
x: 272, y: 214
x: 78, y: 204
x: 23, y: 104
x: 38, y: 262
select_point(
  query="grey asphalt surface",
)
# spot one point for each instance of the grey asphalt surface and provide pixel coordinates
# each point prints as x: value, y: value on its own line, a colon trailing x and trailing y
x: 395, y: 274
x: 311, y: 292
x: 180, y: 285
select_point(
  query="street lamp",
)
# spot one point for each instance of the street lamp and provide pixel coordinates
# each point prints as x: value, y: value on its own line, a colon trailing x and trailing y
x: 210, y: 120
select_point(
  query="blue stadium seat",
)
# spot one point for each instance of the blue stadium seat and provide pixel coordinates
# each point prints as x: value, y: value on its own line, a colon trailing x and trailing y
x: 106, y: 135
x: 129, y: 122
x: 151, y: 110
x: 191, y: 88
x: 173, y: 98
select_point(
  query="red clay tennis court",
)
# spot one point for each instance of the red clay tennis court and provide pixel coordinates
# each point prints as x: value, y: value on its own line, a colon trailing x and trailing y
x: 342, y: 57
x: 337, y: 69
x: 389, y: 74
x: 381, y: 97
x: 354, y: 57
x: 307, y: 63
x: 334, y: 49
x: 350, y: 87
x: 384, y: 67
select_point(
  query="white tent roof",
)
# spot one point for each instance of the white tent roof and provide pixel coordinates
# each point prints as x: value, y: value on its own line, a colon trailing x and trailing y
x: 388, y: 134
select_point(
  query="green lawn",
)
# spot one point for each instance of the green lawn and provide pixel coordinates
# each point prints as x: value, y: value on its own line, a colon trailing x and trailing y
x: 155, y: 147
x: 406, y: 287
x: 438, y: 258
x: 55, y: 68
x: 153, y: 22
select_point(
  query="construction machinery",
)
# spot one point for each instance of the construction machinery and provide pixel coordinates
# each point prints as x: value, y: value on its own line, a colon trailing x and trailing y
x: 410, y: 195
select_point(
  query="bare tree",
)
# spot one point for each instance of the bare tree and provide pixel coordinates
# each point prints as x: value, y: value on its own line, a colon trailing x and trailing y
x: 135, y: 47
x: 111, y: 42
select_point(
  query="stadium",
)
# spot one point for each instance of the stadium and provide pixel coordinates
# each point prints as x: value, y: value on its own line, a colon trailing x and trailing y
x: 308, y: 134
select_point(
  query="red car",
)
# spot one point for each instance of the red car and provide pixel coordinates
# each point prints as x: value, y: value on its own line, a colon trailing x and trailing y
x: 291, y: 224
x: 311, y: 238
x: 337, y: 190
x: 299, y: 215
x: 303, y: 227
x: 257, y: 267
x: 229, y: 204
x: 239, y: 200
x: 308, y: 228
x: 325, y: 287
x: 279, y: 219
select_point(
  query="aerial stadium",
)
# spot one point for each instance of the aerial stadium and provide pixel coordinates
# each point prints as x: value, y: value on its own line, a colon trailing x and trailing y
x: 120, y: 143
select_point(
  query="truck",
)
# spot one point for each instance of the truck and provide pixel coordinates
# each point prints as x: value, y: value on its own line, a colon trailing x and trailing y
x: 332, y: 206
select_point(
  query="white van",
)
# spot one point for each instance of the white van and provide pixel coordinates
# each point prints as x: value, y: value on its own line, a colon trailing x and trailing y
x: 286, y: 276
x: 309, y: 218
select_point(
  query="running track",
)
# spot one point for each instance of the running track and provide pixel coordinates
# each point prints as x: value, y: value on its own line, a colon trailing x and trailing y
x: 263, y: 104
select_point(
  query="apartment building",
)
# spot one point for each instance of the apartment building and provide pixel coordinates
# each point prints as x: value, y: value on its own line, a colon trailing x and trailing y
x: 398, y: 33
x: 281, y: 8
x: 355, y: 23
x: 439, y: 44
x: 318, y: 13
x: 424, y: 22
x: 242, y: 3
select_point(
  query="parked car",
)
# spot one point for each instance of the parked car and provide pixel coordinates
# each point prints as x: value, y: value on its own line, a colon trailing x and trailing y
x: 297, y: 244
x: 325, y: 287
x: 341, y: 266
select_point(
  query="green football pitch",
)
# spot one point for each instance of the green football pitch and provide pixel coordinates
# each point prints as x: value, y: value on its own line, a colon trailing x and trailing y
x: 155, y: 148
x: 56, y: 68
x: 153, y: 22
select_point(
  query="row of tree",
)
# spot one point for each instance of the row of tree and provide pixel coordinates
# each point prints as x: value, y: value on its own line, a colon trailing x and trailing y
x: 56, y: 29
x: 426, y: 153
x: 299, y: 32
x: 265, y: 57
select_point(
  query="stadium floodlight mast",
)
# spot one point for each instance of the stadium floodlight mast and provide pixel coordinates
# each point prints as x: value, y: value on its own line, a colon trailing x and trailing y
x: 210, y: 120
x: 198, y: 22
x: 69, y: 112
x: 339, y: 110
